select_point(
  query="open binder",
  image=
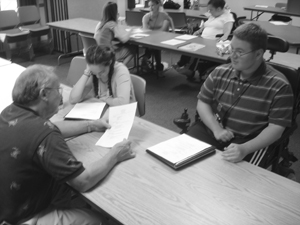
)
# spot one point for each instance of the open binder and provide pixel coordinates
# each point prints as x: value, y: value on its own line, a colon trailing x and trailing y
x: 181, y: 150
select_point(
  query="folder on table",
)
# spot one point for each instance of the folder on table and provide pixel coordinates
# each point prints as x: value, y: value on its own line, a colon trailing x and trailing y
x: 181, y: 150
x: 86, y: 110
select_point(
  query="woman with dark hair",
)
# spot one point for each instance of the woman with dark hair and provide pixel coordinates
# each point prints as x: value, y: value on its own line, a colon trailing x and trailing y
x: 109, y: 32
x: 155, y: 20
x: 109, y: 80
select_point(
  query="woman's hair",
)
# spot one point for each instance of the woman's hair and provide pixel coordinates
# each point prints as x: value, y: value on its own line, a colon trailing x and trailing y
x: 217, y: 3
x: 101, y: 55
x: 110, y: 13
x: 252, y: 33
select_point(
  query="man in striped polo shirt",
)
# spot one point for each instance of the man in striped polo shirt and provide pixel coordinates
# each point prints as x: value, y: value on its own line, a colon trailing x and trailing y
x: 244, y: 106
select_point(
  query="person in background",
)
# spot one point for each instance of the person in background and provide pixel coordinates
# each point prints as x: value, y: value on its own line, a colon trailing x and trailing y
x: 220, y: 21
x: 246, y: 105
x: 155, y: 20
x: 37, y: 166
x: 109, y: 80
x: 109, y: 32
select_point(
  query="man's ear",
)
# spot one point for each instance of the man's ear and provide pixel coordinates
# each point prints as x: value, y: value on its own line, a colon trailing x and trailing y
x: 259, y: 54
x: 43, y: 94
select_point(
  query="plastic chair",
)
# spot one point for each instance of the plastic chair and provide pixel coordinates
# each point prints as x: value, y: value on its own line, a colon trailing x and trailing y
x: 139, y: 86
x: 29, y: 17
x: 87, y: 41
x: 10, y: 33
x: 77, y: 67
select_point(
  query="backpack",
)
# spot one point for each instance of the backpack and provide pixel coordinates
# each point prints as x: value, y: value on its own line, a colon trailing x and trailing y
x: 171, y: 5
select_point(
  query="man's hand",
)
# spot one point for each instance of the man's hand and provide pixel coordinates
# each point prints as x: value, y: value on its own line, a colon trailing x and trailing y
x: 123, y: 150
x: 99, y: 125
x: 234, y: 153
x: 223, y: 135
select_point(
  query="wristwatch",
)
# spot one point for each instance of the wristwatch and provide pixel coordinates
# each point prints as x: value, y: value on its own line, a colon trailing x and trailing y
x: 87, y: 73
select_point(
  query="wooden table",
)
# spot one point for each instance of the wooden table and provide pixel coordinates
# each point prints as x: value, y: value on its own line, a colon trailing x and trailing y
x: 268, y: 9
x: 8, y: 75
x: 144, y: 190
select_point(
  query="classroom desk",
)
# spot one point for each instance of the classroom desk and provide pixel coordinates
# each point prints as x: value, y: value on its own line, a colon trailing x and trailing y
x: 4, y: 62
x: 8, y: 75
x: 288, y: 32
x: 144, y: 190
x: 156, y: 37
x: 288, y: 59
x: 75, y: 26
x: 268, y: 9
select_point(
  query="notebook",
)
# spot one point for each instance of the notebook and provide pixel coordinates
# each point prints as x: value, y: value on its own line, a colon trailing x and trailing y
x: 181, y: 150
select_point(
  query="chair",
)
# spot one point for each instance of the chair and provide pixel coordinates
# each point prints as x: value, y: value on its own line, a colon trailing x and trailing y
x: 134, y: 18
x: 276, y: 44
x: 77, y: 67
x: 10, y: 34
x: 179, y: 21
x: 87, y: 41
x: 29, y: 17
x: 139, y: 86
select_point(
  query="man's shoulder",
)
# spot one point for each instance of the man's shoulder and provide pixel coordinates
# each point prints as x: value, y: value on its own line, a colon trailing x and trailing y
x: 224, y: 68
x: 275, y: 76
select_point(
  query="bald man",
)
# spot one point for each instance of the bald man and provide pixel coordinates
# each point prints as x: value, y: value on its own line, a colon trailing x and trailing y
x: 35, y: 161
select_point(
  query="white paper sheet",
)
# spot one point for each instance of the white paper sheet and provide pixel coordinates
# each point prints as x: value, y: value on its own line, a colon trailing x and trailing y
x: 86, y: 110
x: 186, y: 36
x: 191, y: 47
x: 261, y: 6
x: 139, y: 35
x: 278, y: 23
x: 179, y: 148
x: 121, y: 119
x: 172, y: 42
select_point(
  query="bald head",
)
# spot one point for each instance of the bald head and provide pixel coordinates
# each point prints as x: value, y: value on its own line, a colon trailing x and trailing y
x: 28, y: 85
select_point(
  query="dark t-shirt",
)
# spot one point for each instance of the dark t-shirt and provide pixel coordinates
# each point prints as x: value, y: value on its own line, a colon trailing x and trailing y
x: 35, y: 163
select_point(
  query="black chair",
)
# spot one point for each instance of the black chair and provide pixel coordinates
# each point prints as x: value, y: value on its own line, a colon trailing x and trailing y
x: 134, y: 18
x: 179, y: 22
x: 276, y: 44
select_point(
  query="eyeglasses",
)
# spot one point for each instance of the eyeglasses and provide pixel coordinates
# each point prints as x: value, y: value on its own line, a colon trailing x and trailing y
x: 60, y: 89
x: 239, y: 53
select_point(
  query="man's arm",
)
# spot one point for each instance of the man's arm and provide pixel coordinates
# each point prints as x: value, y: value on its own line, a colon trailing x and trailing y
x: 100, y: 168
x: 73, y: 128
x: 207, y: 116
x: 236, y: 152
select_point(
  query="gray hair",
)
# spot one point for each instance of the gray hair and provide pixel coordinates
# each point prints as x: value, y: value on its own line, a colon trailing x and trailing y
x: 29, y: 83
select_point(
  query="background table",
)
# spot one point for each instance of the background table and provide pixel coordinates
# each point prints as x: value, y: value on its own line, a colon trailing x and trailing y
x: 144, y: 190
x: 268, y: 9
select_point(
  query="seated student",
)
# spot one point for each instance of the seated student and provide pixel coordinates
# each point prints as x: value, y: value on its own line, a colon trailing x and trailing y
x: 220, y: 21
x: 110, y: 80
x: 37, y: 164
x: 155, y: 20
x: 109, y: 32
x: 253, y: 101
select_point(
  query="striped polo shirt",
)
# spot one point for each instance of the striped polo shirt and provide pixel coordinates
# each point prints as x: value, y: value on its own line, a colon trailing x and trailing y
x: 249, y: 105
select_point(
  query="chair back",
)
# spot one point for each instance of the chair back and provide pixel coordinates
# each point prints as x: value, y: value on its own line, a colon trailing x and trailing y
x: 8, y: 19
x: 293, y: 76
x: 77, y: 67
x: 276, y: 44
x: 139, y: 86
x: 179, y: 20
x: 28, y: 14
x: 134, y: 18
x: 87, y: 41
